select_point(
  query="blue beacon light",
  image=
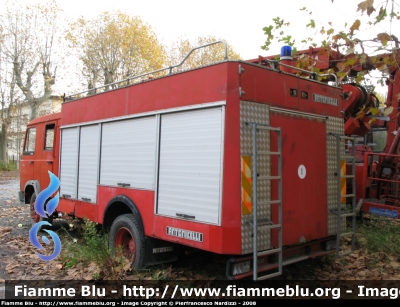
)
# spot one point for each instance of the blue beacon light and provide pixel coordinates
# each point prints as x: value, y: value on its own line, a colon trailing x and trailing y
x: 286, y: 53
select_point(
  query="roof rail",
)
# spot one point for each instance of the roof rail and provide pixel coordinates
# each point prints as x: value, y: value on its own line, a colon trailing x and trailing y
x: 129, y: 79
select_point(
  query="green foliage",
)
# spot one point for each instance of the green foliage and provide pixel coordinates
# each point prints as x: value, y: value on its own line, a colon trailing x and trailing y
x: 379, y: 140
x: 10, y: 166
x: 268, y: 31
x: 382, y: 15
x: 346, y: 40
x: 380, y: 235
x: 288, y: 40
x: 91, y: 247
x: 311, y: 24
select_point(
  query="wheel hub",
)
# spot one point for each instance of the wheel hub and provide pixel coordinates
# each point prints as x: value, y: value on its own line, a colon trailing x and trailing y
x: 125, y: 240
x: 35, y: 217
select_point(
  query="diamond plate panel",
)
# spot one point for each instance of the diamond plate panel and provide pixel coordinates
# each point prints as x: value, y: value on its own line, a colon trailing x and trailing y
x: 256, y: 113
x: 333, y: 125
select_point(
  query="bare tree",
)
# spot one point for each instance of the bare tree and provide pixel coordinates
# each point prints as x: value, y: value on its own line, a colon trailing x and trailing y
x: 9, y: 100
x: 30, y: 36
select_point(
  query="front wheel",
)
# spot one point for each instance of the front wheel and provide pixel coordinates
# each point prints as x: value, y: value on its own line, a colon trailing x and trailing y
x: 36, y: 218
x: 126, y: 236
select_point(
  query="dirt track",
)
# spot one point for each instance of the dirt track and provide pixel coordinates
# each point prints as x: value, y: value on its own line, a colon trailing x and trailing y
x: 14, y: 221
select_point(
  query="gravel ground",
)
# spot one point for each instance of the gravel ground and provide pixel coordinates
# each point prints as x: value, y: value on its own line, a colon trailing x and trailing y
x: 14, y: 220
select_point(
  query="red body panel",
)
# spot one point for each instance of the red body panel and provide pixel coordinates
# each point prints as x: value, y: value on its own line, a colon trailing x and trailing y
x: 66, y: 205
x: 360, y: 173
x: 304, y: 200
x: 36, y: 166
x: 264, y: 85
x: 189, y: 88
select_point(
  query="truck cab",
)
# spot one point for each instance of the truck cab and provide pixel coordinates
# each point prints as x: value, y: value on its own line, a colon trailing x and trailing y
x: 40, y: 155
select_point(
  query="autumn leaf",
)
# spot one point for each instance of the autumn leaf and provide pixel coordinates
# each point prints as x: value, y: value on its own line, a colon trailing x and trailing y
x: 384, y: 38
x: 5, y: 229
x: 341, y: 75
x: 370, y: 10
x: 11, y: 266
x: 341, y: 66
x: 382, y: 14
x: 349, y: 51
x: 337, y: 37
x: 387, y: 61
x: 381, y: 67
x: 351, y: 62
x: 362, y: 58
x: 311, y: 24
x: 355, y: 26
x: 363, y: 6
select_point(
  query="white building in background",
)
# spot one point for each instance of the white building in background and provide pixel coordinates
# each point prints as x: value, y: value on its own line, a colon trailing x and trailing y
x: 16, y: 133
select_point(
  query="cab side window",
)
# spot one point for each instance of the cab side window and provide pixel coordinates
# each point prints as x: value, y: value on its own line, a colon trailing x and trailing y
x: 30, y: 141
x: 49, y: 137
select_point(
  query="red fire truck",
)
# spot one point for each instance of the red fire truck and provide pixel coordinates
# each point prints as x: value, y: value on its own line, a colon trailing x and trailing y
x: 240, y: 158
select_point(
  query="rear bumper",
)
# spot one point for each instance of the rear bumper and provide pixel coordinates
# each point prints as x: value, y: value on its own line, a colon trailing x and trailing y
x: 21, y: 197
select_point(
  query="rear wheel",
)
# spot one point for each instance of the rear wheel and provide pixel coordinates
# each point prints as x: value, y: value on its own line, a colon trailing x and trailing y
x: 127, y: 237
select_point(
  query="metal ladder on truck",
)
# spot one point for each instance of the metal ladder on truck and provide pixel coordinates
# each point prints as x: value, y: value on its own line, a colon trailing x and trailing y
x: 267, y: 223
x: 342, y: 211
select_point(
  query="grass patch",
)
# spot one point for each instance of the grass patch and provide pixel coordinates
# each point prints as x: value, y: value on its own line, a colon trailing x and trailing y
x: 10, y: 166
x: 379, y: 234
x: 90, y: 246
x: 86, y: 248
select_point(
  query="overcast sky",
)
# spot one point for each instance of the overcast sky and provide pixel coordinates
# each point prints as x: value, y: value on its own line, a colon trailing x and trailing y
x: 239, y: 22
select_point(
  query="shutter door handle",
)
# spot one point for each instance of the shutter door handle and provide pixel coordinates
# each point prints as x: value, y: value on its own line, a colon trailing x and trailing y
x: 185, y: 216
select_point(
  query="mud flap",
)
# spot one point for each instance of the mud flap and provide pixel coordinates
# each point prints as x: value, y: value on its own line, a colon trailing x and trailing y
x: 159, y: 251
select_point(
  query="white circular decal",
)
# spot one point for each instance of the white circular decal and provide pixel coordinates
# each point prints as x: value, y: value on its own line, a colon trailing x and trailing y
x: 302, y: 171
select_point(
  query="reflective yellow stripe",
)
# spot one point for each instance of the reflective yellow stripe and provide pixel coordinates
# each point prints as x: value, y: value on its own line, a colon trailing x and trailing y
x: 246, y: 185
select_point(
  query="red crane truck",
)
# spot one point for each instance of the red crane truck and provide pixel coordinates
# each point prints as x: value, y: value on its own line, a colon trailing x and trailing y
x: 375, y: 126
x: 238, y: 158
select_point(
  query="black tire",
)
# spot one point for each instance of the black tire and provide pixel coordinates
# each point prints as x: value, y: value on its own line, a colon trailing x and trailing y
x: 34, y: 217
x: 125, y: 232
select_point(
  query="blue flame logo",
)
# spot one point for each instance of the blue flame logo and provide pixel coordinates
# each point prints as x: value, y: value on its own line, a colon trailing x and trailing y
x: 51, y: 207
